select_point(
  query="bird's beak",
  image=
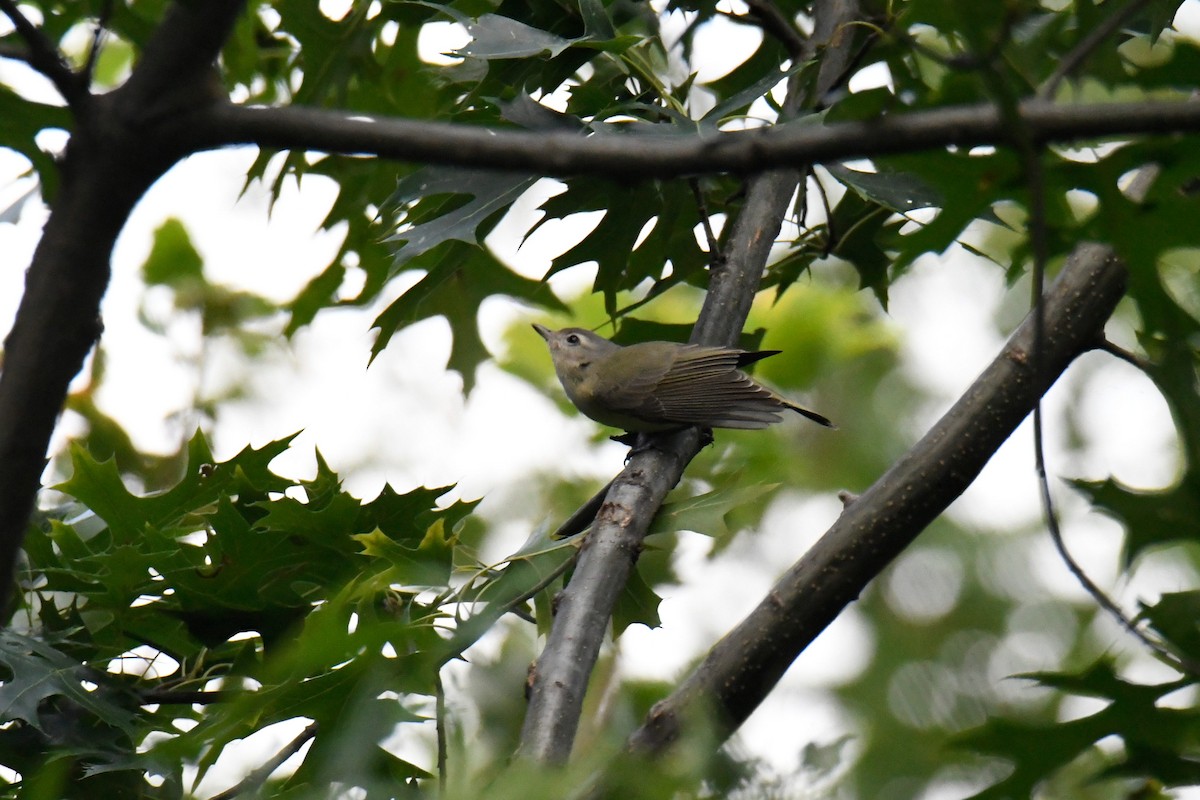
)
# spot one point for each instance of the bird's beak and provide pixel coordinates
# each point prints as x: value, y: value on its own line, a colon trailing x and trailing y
x: 543, y: 331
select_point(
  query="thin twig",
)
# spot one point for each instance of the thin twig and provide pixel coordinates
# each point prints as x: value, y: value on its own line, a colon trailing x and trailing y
x: 1113, y: 349
x: 1080, y: 52
x: 470, y: 629
x: 831, y: 233
x: 89, y: 68
x: 439, y: 694
x: 714, y: 247
x: 767, y: 16
x: 185, y: 697
x: 259, y: 776
x: 15, y: 52
x: 800, y: 209
x: 44, y: 56
x: 1031, y: 153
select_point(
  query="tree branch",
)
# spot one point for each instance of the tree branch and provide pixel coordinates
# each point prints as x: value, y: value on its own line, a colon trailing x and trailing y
x: 168, y: 697
x: 177, y: 63
x: 119, y: 148
x: 259, y: 776
x: 1087, y: 45
x: 44, y: 57
x: 15, y: 52
x: 632, y: 156
x: 767, y: 16
x: 741, y: 669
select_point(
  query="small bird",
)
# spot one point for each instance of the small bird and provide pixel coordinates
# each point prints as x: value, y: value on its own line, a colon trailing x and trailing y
x: 661, y: 386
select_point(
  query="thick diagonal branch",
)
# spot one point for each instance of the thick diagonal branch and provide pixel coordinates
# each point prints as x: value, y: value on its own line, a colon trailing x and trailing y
x: 122, y: 142
x: 43, y: 56
x: 742, y: 668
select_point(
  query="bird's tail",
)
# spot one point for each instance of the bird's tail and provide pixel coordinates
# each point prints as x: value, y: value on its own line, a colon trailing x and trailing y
x: 814, y: 416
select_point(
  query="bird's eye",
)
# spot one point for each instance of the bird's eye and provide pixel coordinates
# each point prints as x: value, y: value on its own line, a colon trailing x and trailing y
x: 573, y: 339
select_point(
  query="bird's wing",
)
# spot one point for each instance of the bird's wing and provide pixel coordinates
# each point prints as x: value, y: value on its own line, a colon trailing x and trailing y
x: 692, y: 385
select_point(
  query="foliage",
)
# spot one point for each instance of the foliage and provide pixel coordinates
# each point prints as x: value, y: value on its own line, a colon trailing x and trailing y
x: 160, y: 626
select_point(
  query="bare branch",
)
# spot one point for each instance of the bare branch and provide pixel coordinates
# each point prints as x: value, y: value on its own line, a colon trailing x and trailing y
x: 710, y: 238
x: 185, y: 697
x: 742, y: 668
x: 1087, y: 45
x: 45, y: 57
x: 441, y: 721
x: 177, y: 63
x: 774, y: 22
x: 1115, y: 350
x: 260, y: 775
x: 634, y: 157
x: 560, y: 676
x: 15, y: 52
x: 89, y: 68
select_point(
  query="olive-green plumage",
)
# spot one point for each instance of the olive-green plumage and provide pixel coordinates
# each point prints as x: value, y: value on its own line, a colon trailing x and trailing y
x: 658, y: 386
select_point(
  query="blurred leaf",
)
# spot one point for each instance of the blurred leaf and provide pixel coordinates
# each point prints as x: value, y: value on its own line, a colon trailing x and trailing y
x: 1156, y: 739
x: 1150, y: 518
x: 173, y: 261
x: 1176, y: 616
x: 708, y: 513
x: 21, y: 121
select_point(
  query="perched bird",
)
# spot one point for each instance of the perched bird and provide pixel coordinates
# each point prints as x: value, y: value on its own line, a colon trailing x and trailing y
x: 660, y: 386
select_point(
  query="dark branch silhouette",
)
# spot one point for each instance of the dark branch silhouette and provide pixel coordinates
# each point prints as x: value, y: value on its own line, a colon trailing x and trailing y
x: 45, y: 58
x: 118, y: 148
x: 637, y: 157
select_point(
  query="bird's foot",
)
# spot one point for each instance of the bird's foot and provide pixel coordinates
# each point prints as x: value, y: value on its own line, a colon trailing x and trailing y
x: 638, y: 443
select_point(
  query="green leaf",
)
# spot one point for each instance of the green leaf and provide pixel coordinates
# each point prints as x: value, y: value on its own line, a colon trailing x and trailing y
x: 896, y: 191
x: 428, y: 564
x: 638, y: 604
x: 457, y: 283
x: 98, y: 485
x: 1176, y: 616
x: 173, y: 260
x: 38, y: 672
x: 494, y: 36
x: 490, y: 193
x: 21, y: 121
x: 1150, y: 518
x: 709, y: 513
x: 1157, y: 739
x: 622, y: 266
x: 857, y: 228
